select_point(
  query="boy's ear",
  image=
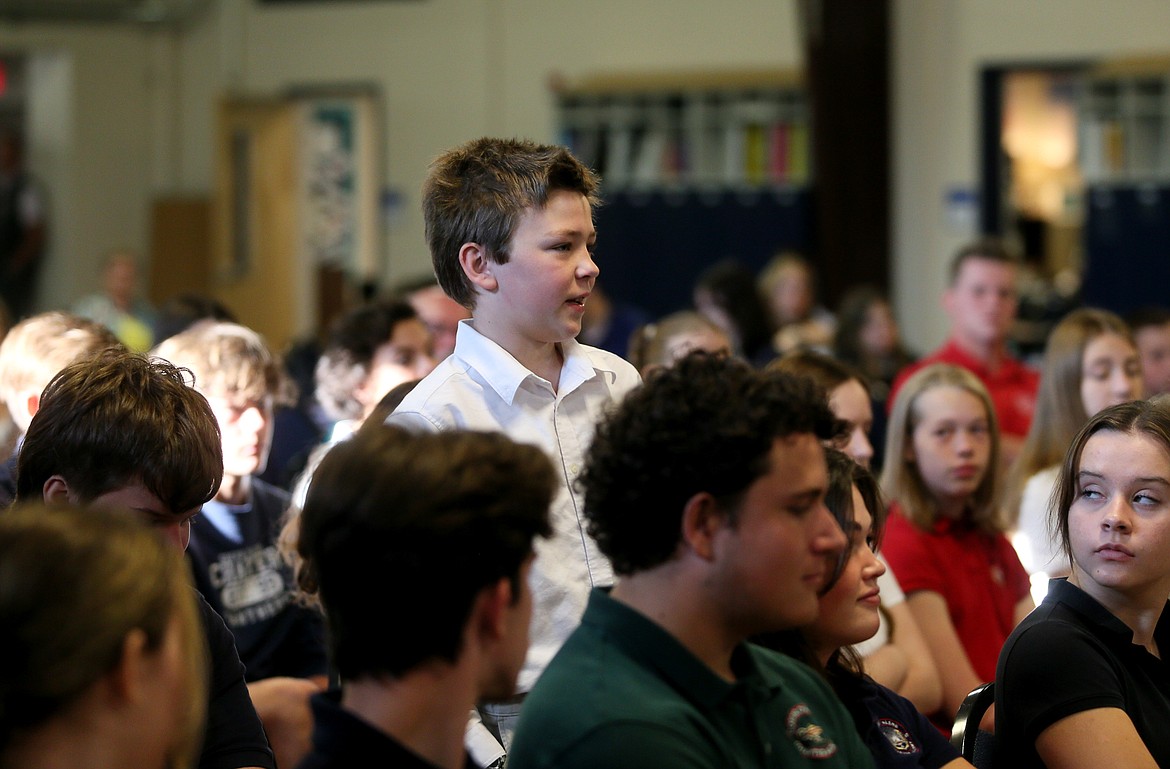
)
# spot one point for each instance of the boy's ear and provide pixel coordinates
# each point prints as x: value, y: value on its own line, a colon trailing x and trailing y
x: 491, y: 609
x: 702, y: 518
x: 56, y: 491
x: 125, y: 680
x: 478, y: 268
x: 33, y: 404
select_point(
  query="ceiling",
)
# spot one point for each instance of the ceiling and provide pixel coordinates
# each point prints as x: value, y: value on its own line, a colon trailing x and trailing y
x: 165, y: 12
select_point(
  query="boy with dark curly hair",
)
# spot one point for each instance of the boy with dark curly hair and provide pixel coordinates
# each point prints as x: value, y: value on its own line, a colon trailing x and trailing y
x: 706, y: 490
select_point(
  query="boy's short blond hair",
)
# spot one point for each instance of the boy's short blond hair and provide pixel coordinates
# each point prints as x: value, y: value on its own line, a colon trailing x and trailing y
x: 35, y: 349
x: 476, y: 193
x: 226, y: 358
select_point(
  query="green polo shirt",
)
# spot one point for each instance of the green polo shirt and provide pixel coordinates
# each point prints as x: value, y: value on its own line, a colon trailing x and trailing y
x: 622, y: 692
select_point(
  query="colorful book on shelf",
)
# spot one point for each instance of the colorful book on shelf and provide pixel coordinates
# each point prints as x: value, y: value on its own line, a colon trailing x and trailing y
x: 798, y: 153
x: 755, y: 155
x: 779, y: 138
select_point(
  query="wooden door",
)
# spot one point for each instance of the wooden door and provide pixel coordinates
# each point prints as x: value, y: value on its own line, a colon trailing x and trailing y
x: 258, y: 270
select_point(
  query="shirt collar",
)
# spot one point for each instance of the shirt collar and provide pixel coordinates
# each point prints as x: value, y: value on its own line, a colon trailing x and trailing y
x: 506, y: 375
x: 653, y: 647
x: 1060, y: 589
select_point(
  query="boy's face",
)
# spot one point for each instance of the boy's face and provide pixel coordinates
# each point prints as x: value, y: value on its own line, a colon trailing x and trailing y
x: 407, y: 355
x: 771, y: 562
x: 1153, y: 344
x: 982, y: 302
x: 245, y: 426
x: 542, y: 289
x: 175, y: 526
x: 518, y: 617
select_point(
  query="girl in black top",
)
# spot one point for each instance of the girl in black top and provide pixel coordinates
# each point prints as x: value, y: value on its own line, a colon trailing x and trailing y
x: 1082, y: 682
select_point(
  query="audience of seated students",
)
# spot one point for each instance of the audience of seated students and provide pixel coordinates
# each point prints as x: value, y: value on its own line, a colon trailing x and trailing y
x: 233, y: 553
x: 788, y: 286
x: 705, y: 488
x: 1083, y: 681
x: 440, y: 313
x: 894, y: 729
x: 981, y: 303
x: 521, y: 260
x: 371, y: 349
x: 727, y: 294
x: 118, y: 429
x: 665, y: 341
x: 1151, y: 333
x: 454, y: 514
x: 896, y: 655
x: 32, y: 352
x: 103, y: 662
x: 944, y: 537
x: 1090, y: 362
x: 608, y: 323
x: 118, y: 306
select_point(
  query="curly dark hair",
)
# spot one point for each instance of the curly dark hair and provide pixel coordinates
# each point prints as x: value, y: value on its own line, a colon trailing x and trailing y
x: 705, y: 425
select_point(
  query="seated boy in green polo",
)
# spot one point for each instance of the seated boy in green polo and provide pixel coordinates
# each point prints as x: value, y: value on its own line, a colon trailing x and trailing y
x: 706, y: 490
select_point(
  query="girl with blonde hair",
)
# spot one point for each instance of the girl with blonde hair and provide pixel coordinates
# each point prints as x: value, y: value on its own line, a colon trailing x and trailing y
x: 945, y: 536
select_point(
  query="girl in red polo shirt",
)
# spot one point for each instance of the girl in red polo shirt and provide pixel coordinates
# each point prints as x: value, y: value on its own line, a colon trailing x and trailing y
x: 945, y: 537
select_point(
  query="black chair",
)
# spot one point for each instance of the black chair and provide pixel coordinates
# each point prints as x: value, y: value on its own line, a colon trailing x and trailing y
x: 976, y: 745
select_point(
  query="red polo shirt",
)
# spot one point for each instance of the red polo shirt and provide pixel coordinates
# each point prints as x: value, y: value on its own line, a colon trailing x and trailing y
x: 1012, y: 386
x: 978, y: 574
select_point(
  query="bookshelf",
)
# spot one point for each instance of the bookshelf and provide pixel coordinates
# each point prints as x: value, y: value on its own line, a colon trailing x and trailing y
x: 1124, y: 154
x: 1124, y: 125
x: 695, y: 167
x: 690, y: 131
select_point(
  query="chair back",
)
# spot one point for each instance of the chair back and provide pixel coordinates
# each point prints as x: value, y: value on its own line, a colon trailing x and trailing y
x: 975, y: 745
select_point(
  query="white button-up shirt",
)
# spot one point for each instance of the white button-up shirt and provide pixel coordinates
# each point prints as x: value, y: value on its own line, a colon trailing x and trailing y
x: 482, y: 387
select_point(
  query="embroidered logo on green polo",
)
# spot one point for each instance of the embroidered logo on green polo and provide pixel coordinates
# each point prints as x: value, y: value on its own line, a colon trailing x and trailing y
x: 808, y: 737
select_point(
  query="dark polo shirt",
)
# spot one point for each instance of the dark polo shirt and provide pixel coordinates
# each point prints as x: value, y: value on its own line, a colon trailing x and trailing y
x: 623, y: 692
x: 342, y: 740
x: 1071, y: 655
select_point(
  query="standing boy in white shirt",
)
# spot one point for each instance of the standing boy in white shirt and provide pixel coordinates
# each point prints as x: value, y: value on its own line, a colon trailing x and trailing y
x: 510, y: 228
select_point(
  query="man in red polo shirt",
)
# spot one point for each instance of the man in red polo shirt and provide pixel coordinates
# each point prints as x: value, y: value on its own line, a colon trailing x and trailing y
x: 981, y: 302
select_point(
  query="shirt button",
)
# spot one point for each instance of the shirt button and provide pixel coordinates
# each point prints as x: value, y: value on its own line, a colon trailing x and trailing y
x: 574, y: 468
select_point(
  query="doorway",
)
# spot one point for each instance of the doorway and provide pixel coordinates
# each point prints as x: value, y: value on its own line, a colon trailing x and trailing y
x: 1033, y: 190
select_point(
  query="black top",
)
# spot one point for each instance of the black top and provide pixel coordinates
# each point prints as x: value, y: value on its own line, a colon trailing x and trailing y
x: 1071, y: 655
x: 249, y: 584
x: 341, y: 740
x: 898, y: 736
x: 234, y: 736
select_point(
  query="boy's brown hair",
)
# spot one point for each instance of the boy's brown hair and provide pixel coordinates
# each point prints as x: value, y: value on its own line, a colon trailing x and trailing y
x: 116, y: 419
x: 476, y: 193
x: 986, y: 248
